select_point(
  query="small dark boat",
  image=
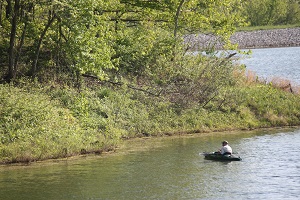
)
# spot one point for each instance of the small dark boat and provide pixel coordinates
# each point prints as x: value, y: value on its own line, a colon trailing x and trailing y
x: 220, y: 157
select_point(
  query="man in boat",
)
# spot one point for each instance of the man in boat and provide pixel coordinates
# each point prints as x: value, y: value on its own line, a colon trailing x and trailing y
x: 225, y: 150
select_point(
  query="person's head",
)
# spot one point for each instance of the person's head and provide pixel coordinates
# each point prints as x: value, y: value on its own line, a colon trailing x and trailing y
x: 224, y: 143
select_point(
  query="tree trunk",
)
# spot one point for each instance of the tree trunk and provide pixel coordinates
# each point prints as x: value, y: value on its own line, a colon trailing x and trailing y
x: 37, y: 52
x: 1, y: 6
x: 8, y: 8
x: 11, y: 49
x: 19, y: 49
x: 176, y: 19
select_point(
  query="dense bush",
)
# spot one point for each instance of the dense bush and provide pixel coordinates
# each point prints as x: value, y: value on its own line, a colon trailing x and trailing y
x: 36, y: 127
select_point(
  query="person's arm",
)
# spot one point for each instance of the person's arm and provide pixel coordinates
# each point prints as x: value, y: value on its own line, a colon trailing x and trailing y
x: 222, y: 151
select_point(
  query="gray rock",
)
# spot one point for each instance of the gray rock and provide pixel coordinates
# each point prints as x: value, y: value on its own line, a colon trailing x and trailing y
x: 249, y: 39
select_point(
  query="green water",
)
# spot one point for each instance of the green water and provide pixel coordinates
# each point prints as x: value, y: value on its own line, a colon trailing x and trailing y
x: 167, y: 168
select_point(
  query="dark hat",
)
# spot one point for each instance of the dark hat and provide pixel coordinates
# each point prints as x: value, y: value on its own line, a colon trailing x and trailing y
x: 224, y: 142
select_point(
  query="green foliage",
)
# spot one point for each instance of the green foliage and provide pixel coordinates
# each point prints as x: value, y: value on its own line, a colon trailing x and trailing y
x: 272, y: 12
x: 138, y: 48
x: 191, y: 79
x: 269, y: 27
x: 272, y: 106
x: 93, y: 37
x: 34, y: 127
x: 33, y: 122
x: 57, y: 121
x: 88, y: 37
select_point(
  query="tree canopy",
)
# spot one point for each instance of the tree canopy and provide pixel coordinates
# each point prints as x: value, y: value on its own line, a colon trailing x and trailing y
x: 96, y: 36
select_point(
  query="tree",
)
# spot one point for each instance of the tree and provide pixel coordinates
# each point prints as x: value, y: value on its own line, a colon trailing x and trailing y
x: 96, y: 36
x: 293, y: 12
x: 180, y: 17
x: 272, y: 12
x: 71, y: 31
x: 85, y: 36
x: 13, y: 13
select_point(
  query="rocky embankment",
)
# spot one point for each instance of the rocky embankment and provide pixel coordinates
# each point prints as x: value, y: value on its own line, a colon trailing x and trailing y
x: 250, y: 39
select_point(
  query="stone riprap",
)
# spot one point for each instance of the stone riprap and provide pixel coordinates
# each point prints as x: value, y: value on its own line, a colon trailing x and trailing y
x: 249, y: 39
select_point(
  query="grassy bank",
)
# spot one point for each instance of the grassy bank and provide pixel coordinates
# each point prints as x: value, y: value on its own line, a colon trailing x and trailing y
x: 270, y: 27
x: 40, y: 122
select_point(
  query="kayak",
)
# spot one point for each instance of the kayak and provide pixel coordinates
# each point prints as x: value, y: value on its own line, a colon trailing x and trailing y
x: 220, y: 157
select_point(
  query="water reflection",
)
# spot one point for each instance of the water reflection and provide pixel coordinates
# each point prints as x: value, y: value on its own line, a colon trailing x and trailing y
x: 170, y: 168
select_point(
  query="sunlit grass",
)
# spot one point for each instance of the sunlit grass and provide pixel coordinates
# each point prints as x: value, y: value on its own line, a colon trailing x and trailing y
x: 255, y: 28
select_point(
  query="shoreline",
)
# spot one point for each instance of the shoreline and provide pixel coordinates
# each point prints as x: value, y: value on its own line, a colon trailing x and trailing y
x: 287, y: 37
x: 175, y: 133
x: 122, y: 148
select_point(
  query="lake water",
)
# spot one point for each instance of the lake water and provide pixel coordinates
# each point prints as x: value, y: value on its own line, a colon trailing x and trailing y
x: 168, y: 168
x: 275, y: 62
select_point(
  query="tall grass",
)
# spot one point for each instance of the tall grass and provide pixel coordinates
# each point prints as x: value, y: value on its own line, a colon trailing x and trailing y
x: 36, y: 127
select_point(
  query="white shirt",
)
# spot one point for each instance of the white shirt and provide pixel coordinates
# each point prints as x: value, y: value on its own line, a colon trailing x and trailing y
x: 225, y: 149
